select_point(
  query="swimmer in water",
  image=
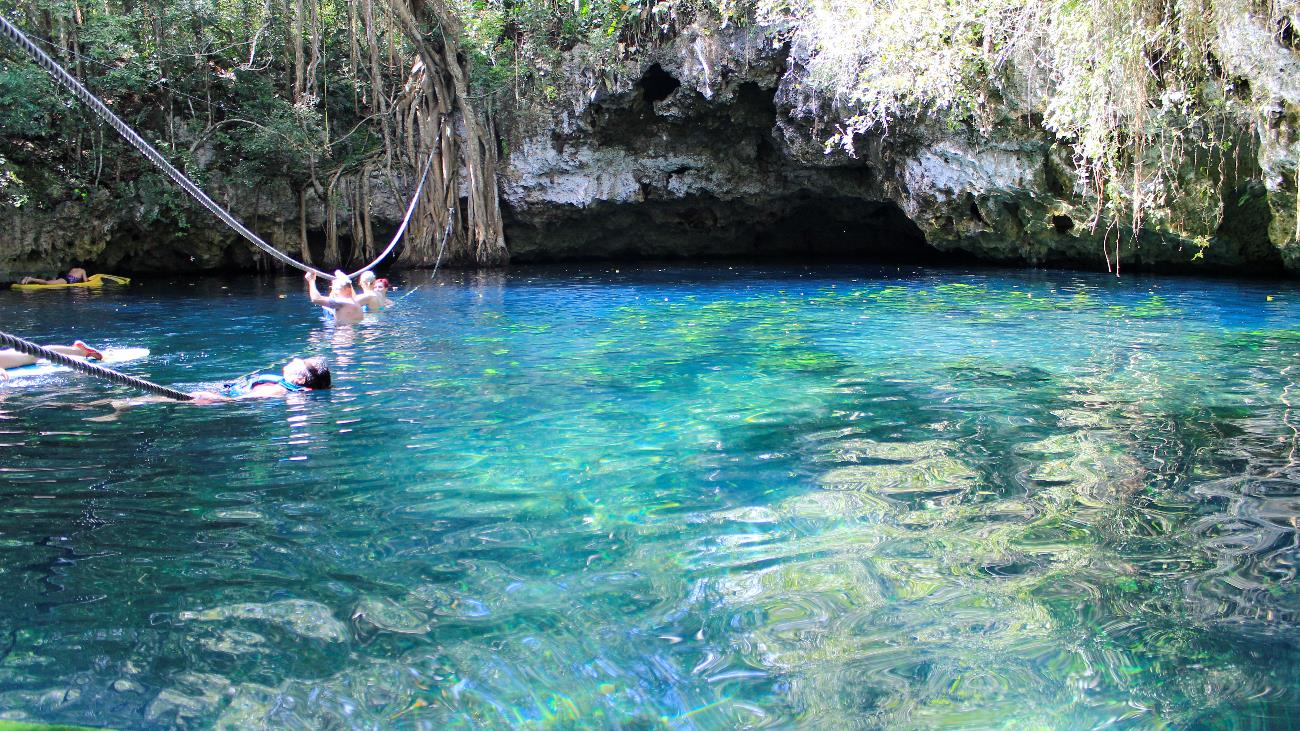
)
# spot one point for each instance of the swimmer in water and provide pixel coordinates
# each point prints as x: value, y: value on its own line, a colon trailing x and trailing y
x: 298, y: 376
x: 342, y: 300
x: 75, y: 275
x: 381, y: 291
x: 375, y: 292
x: 10, y: 358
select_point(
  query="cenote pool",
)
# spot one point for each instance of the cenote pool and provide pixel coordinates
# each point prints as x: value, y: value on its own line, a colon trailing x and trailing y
x: 665, y: 497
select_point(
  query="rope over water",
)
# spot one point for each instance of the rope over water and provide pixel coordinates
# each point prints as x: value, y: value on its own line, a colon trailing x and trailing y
x: 108, y: 374
x: 70, y: 82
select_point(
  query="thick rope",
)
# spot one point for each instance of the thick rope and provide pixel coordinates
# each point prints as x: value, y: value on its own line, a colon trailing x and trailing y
x: 108, y: 374
x: 406, y: 220
x: 53, y: 68
x: 451, y: 212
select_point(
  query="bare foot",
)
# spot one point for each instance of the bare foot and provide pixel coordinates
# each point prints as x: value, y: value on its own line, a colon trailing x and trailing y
x: 91, y: 353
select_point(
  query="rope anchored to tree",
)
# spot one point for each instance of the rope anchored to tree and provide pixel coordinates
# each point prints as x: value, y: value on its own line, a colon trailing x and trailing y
x: 98, y: 371
x: 70, y: 82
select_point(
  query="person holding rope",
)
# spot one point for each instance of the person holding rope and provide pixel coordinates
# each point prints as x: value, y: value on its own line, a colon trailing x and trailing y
x: 10, y: 358
x: 342, y: 301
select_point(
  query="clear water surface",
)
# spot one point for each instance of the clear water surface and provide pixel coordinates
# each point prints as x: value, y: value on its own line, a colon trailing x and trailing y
x: 680, y: 498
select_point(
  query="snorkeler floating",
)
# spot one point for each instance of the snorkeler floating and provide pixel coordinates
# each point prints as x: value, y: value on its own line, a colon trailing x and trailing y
x: 297, y: 376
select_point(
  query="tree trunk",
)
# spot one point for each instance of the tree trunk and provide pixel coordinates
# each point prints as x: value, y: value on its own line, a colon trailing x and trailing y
x: 331, y: 220
x: 298, y: 62
x: 302, y: 227
x: 441, y: 88
x: 378, y: 100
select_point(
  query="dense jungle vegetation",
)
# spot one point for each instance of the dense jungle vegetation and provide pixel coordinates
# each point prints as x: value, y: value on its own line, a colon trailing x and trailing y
x: 320, y: 94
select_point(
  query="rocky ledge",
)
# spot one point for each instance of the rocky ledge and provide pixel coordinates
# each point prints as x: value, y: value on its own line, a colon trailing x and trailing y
x: 713, y: 144
x: 717, y: 148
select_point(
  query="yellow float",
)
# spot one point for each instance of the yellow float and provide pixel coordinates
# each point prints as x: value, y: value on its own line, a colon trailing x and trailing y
x: 94, y: 280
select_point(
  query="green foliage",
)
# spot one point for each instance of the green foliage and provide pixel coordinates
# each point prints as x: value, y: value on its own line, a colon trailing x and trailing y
x: 210, y: 84
x: 28, y: 102
x: 281, y: 143
x: 12, y: 192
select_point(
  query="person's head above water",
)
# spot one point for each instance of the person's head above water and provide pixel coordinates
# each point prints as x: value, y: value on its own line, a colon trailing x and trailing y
x: 311, y: 373
x: 299, y: 374
x: 381, y: 285
x: 367, y: 280
x: 341, y: 285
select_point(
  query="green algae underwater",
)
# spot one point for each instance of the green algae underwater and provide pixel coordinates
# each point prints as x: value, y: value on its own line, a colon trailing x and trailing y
x: 666, y: 497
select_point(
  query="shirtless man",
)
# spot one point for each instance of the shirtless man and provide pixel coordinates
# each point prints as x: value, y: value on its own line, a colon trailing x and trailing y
x: 10, y: 358
x: 75, y: 275
x: 342, y: 301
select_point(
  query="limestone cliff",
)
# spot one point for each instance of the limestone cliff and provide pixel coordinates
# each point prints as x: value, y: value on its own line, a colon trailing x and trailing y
x: 718, y: 147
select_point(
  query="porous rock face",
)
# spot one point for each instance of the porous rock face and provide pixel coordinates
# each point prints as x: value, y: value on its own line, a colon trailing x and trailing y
x: 110, y: 233
x: 117, y: 229
x: 1251, y: 49
x: 718, y: 148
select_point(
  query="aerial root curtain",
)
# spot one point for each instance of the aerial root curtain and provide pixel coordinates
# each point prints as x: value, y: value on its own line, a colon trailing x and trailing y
x: 435, y: 113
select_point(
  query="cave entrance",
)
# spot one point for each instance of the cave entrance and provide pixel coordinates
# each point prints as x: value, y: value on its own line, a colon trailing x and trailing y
x: 843, y: 227
x: 657, y: 84
x: 801, y: 227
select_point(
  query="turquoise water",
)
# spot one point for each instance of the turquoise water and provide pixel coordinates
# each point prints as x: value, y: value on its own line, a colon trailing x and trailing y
x: 683, y: 498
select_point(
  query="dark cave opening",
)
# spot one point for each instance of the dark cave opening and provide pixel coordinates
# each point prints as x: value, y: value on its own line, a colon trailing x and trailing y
x: 657, y: 84
x: 802, y: 226
x: 843, y: 227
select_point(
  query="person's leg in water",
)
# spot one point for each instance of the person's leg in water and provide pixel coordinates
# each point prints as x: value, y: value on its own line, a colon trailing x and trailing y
x: 10, y: 358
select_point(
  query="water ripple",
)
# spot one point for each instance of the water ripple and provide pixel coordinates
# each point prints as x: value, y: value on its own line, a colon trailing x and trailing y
x: 669, y: 498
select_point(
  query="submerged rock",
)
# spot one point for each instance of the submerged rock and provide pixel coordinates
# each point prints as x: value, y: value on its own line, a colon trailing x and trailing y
x: 194, y: 695
x: 302, y: 617
x: 386, y: 615
x: 122, y: 685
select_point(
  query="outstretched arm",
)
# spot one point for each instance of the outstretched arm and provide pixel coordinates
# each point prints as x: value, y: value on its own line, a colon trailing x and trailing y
x: 313, y: 293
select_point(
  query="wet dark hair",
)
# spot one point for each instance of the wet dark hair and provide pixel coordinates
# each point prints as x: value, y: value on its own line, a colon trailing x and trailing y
x: 318, y: 373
